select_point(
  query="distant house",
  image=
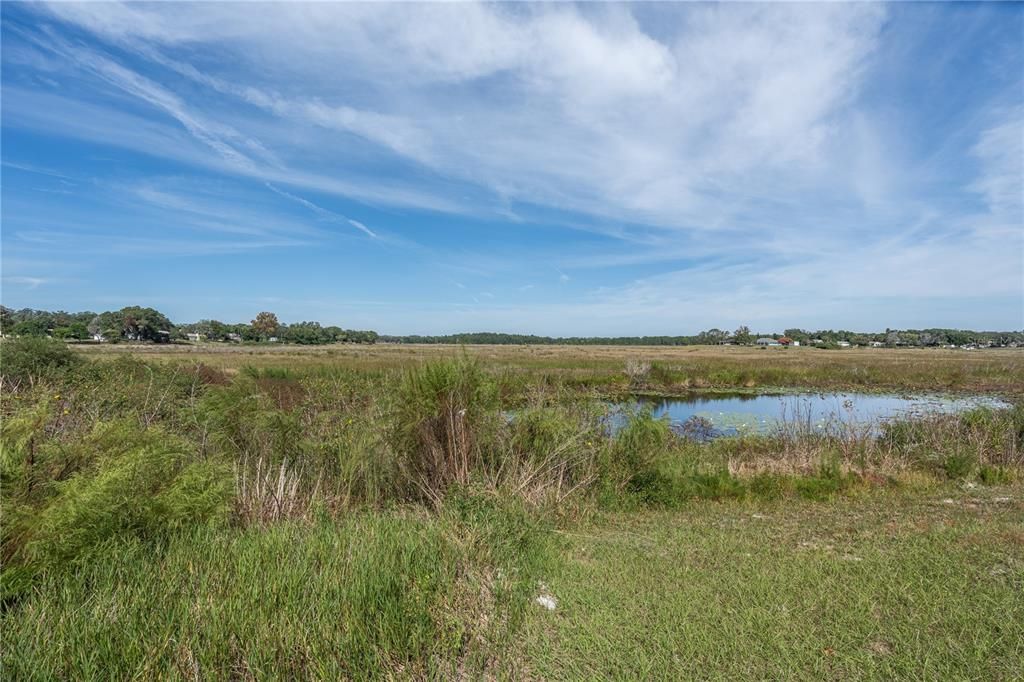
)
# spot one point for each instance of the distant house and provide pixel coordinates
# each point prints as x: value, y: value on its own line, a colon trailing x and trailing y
x: 765, y: 341
x: 796, y: 344
x: 99, y: 337
x: 817, y: 342
x: 843, y: 344
x: 876, y: 344
x: 784, y: 340
x: 237, y: 338
x: 272, y: 339
x: 194, y: 337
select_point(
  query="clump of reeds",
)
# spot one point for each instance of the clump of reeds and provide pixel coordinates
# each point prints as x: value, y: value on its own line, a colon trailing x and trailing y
x: 265, y: 493
x: 637, y: 371
x: 442, y: 412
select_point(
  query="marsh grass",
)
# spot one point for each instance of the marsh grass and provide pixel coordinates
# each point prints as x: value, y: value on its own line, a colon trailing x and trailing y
x: 672, y: 369
x: 328, y: 519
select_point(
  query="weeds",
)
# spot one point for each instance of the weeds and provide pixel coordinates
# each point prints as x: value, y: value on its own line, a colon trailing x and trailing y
x: 322, y: 521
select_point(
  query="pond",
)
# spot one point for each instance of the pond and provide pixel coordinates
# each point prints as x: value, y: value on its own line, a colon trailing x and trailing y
x: 729, y: 414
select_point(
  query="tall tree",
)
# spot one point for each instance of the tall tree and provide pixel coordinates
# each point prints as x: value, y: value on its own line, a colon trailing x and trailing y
x: 742, y: 336
x: 265, y: 325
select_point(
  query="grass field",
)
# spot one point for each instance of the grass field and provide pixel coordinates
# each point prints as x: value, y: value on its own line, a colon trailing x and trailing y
x: 922, y: 586
x: 676, y: 368
x: 373, y: 512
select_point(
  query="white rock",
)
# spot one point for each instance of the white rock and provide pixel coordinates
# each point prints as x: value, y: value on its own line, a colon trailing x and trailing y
x: 548, y: 602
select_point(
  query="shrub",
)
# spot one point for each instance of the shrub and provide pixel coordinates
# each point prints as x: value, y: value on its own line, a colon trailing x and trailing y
x: 958, y: 465
x: 994, y: 475
x: 139, y: 483
x: 444, y: 415
x: 30, y: 359
x: 634, y: 448
x: 552, y: 452
x: 243, y: 422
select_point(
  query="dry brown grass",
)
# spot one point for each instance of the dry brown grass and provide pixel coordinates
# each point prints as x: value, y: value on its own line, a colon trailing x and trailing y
x: 685, y: 367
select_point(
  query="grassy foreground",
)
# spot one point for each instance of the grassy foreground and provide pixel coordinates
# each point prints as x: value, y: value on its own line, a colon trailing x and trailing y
x: 928, y: 584
x: 922, y: 586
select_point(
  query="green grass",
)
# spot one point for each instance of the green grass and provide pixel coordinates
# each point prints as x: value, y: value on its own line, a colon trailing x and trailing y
x: 879, y: 587
x: 382, y: 594
x: 923, y: 584
x: 602, y: 368
x: 363, y: 514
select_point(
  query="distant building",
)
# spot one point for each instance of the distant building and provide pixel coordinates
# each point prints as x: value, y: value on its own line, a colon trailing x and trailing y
x: 796, y: 344
x: 817, y: 342
x: 272, y: 339
x: 843, y: 344
x: 237, y: 338
x: 876, y: 344
x: 194, y: 337
x: 768, y: 342
x: 99, y: 337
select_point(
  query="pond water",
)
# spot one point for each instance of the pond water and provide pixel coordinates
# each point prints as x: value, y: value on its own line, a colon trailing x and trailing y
x: 728, y: 414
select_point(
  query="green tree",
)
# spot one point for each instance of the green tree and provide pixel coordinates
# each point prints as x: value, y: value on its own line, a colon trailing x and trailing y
x: 265, y: 325
x: 742, y: 336
x: 33, y: 327
x: 712, y: 336
x: 135, y: 323
x: 798, y: 335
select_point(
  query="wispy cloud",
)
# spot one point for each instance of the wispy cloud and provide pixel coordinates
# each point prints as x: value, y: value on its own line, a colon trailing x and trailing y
x: 766, y: 160
x: 323, y: 212
x: 29, y: 282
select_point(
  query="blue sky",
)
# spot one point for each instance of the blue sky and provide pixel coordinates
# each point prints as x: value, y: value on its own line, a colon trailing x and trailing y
x: 554, y: 169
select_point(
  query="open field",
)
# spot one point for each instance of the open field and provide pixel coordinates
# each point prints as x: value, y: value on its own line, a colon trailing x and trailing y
x: 925, y: 586
x: 395, y: 512
x: 674, y: 368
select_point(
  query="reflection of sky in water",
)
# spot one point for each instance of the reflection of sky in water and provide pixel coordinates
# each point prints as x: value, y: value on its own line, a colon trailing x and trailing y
x: 753, y: 413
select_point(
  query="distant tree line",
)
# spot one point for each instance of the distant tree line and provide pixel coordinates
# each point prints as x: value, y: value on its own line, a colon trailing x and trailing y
x: 742, y: 336
x: 136, y: 323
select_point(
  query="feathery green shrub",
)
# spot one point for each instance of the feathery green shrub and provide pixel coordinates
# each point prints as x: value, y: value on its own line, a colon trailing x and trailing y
x: 30, y: 359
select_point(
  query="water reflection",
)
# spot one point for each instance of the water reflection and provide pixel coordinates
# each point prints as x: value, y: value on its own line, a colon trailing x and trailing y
x: 710, y: 415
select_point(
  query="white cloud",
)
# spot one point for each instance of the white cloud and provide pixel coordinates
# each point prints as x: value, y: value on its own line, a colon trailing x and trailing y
x: 585, y: 110
x: 29, y: 282
x: 1000, y: 150
x: 733, y: 138
x: 323, y: 212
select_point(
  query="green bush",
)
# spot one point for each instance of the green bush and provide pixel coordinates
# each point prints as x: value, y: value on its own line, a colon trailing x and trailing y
x: 994, y: 475
x: 958, y: 465
x: 635, y: 448
x: 141, y: 483
x: 30, y: 359
x: 446, y: 414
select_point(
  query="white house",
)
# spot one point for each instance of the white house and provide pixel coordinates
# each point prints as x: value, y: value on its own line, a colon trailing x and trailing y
x: 765, y: 341
x: 876, y: 344
x: 843, y: 344
x: 194, y: 337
